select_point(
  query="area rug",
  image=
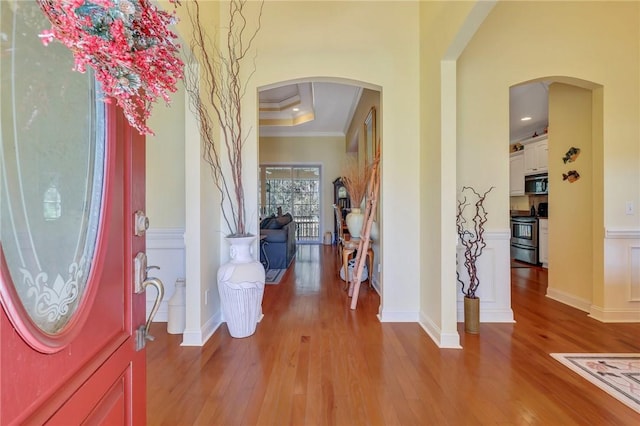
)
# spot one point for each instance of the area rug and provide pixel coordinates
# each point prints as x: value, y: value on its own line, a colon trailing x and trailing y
x: 616, y: 374
x: 273, y: 276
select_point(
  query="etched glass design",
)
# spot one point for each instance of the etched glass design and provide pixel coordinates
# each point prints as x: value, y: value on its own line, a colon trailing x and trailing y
x: 52, y: 165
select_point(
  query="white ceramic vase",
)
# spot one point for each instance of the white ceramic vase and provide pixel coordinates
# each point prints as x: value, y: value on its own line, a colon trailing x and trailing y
x: 241, y: 287
x: 354, y: 220
x: 374, y: 235
x: 176, y: 320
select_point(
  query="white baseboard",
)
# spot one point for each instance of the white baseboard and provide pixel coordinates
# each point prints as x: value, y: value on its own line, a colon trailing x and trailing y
x: 488, y: 314
x: 498, y: 315
x: 569, y: 299
x: 399, y: 316
x: 199, y: 337
x: 443, y: 340
x: 614, y: 315
x: 376, y: 286
x: 450, y: 341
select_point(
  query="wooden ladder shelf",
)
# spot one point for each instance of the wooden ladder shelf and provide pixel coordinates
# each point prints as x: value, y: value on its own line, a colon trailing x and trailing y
x: 363, y: 246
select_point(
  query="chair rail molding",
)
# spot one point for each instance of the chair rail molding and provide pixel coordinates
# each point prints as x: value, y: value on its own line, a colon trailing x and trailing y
x: 622, y: 233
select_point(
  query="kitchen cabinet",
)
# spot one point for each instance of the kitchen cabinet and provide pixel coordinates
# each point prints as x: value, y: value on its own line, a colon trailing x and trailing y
x: 516, y: 173
x: 543, y: 241
x: 536, y: 157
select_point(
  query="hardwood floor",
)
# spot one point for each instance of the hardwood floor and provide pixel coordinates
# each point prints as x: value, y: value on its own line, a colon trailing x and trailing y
x: 314, y: 361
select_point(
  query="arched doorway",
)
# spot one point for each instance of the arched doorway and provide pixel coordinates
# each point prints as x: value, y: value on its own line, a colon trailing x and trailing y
x: 328, y: 117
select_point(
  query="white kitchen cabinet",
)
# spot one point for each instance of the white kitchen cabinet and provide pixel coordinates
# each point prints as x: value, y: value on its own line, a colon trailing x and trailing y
x: 536, y: 157
x: 516, y: 173
x: 543, y: 242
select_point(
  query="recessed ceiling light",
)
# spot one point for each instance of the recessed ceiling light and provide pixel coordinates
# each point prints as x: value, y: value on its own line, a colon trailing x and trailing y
x: 296, y: 109
x: 525, y: 119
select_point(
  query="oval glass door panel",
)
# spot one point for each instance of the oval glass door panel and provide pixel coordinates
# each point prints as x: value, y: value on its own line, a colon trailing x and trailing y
x: 52, y: 169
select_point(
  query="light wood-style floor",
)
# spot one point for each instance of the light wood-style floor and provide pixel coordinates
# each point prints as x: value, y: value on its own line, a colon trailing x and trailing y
x: 313, y: 361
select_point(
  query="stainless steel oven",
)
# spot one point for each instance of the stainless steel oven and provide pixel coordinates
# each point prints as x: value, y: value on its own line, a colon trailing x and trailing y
x: 524, y: 239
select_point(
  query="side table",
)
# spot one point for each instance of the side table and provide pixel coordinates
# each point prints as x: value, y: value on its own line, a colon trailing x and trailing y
x: 348, y: 248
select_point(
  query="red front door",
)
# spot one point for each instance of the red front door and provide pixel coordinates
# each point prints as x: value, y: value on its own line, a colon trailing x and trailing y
x: 71, y: 180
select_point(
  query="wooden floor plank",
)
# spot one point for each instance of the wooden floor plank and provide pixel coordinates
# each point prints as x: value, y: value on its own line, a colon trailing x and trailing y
x: 313, y: 361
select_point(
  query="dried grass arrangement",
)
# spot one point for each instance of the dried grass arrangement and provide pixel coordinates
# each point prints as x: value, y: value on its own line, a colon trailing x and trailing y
x: 355, y: 178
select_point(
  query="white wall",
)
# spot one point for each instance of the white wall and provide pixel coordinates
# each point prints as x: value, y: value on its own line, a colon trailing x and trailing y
x: 165, y: 249
x: 495, y: 301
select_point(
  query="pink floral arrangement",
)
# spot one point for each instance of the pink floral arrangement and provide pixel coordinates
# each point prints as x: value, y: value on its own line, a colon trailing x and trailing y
x: 127, y: 43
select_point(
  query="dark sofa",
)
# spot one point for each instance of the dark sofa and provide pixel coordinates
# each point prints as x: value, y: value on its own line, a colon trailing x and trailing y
x: 280, y: 243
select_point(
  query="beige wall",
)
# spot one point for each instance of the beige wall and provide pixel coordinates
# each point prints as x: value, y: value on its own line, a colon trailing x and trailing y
x: 356, y: 140
x: 165, y: 164
x: 327, y: 152
x: 354, y: 137
x: 360, y: 43
x: 445, y: 122
x: 205, y: 248
x: 597, y: 196
x: 440, y: 23
x: 582, y: 40
x: 596, y: 42
x: 571, y: 215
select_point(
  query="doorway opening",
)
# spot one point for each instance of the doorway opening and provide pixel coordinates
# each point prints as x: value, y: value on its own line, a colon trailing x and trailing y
x: 315, y: 123
x: 575, y: 184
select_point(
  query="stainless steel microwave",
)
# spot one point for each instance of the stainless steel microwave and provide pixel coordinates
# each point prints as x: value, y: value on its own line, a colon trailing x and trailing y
x: 536, y: 184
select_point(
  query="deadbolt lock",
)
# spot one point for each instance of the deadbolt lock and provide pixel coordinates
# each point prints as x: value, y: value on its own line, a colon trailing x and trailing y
x: 141, y: 223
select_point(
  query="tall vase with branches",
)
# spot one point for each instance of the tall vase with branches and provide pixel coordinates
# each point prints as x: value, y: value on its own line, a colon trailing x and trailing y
x: 470, y: 226
x: 355, y: 179
x: 216, y: 92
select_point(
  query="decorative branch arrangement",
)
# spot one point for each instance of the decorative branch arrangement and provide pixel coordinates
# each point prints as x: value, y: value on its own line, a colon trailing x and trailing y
x: 355, y: 179
x: 471, y: 236
x: 126, y: 42
x: 216, y: 96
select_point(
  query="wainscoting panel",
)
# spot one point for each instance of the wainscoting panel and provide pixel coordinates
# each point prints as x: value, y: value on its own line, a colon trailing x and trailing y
x: 634, y: 272
x: 621, y: 277
x: 495, y: 279
x: 165, y: 248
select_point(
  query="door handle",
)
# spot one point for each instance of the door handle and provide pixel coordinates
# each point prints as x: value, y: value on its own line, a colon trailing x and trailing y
x: 157, y: 283
x: 141, y: 282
